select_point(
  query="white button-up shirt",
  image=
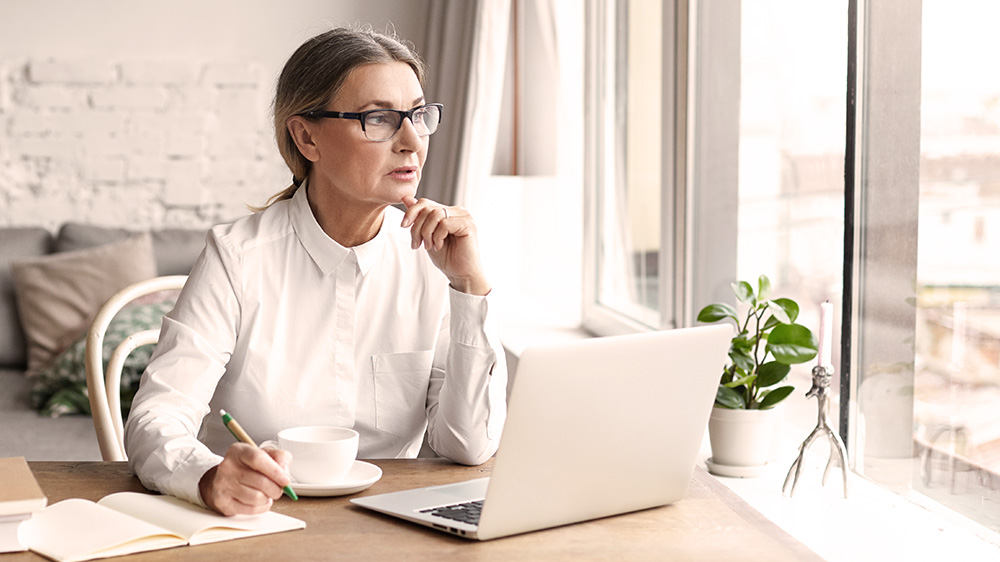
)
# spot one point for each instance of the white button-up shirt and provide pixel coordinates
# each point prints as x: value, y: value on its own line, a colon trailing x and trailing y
x: 281, y: 326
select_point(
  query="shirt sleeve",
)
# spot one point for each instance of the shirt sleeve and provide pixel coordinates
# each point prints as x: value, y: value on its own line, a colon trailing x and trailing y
x: 196, y: 341
x: 467, y: 397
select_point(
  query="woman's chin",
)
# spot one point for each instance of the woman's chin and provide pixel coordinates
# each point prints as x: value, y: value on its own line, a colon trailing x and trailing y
x: 403, y: 191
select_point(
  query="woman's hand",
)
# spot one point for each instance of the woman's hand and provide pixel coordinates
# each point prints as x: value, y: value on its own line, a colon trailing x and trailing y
x: 247, y: 481
x: 449, y: 236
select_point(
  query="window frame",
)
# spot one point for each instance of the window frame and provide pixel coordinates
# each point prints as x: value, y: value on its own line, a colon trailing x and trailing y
x: 676, y: 202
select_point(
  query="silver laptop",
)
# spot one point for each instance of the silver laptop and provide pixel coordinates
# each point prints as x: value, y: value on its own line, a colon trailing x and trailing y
x: 595, y: 427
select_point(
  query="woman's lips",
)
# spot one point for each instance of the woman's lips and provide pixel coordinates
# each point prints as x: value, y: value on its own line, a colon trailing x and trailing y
x: 404, y: 173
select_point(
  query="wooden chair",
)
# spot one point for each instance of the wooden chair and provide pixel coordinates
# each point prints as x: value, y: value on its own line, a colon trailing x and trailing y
x: 103, y: 389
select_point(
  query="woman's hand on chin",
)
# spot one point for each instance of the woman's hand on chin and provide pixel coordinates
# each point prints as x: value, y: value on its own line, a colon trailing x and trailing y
x: 449, y: 236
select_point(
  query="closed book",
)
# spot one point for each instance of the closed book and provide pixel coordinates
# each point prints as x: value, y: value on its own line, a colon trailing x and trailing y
x: 10, y: 538
x: 20, y: 496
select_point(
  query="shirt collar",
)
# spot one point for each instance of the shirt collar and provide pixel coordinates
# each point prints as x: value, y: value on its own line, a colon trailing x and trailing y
x: 326, y: 252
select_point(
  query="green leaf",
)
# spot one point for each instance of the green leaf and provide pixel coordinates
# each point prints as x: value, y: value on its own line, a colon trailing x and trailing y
x: 742, y: 359
x: 788, y: 307
x: 770, y: 399
x: 771, y: 373
x: 727, y: 375
x: 777, y: 313
x: 744, y: 292
x: 742, y: 342
x: 770, y: 323
x: 716, y: 312
x: 743, y: 381
x: 792, y: 344
x: 728, y: 398
x: 763, y: 288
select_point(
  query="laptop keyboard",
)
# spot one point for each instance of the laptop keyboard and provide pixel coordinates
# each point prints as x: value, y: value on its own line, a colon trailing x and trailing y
x: 467, y: 512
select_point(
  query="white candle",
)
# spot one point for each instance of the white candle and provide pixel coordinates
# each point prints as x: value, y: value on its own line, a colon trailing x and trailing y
x: 823, y: 358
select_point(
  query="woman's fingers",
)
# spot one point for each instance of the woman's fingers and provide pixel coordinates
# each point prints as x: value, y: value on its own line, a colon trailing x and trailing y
x: 439, y: 234
x: 449, y: 236
x: 433, y: 231
x: 430, y: 222
x: 248, y: 480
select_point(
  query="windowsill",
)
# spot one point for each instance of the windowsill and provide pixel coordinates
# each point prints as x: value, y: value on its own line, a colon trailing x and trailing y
x: 872, y: 524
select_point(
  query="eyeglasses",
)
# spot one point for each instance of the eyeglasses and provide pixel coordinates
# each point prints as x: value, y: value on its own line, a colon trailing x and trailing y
x: 382, y: 124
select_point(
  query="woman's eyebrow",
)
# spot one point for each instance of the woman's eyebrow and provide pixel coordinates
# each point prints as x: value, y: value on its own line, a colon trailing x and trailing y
x: 380, y: 104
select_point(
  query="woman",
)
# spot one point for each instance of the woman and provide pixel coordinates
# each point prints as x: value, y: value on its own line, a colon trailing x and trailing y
x: 330, y: 306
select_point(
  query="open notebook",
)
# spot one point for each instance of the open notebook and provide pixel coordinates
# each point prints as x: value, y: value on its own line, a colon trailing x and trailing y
x: 129, y: 522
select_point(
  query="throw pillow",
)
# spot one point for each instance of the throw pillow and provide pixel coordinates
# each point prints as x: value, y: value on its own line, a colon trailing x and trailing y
x: 59, y: 294
x: 61, y: 387
x: 16, y: 243
x: 175, y: 249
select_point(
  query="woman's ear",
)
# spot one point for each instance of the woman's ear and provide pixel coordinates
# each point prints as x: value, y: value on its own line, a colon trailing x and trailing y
x: 301, y: 131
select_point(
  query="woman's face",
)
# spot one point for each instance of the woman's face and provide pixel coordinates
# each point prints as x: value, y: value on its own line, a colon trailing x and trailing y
x: 351, y: 168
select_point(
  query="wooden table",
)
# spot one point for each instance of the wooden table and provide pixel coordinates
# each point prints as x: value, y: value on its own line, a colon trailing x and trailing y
x: 711, y: 523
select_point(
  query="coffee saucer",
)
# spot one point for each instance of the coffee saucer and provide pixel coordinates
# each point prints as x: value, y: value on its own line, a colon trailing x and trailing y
x: 361, y: 476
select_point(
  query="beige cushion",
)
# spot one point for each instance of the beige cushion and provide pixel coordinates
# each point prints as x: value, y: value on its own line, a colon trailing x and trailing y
x: 16, y: 243
x: 59, y: 294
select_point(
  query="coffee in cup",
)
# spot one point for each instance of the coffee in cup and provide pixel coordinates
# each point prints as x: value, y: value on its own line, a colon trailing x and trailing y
x: 321, y: 454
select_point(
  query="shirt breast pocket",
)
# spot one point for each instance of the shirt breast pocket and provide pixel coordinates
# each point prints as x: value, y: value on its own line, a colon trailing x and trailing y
x: 401, y: 381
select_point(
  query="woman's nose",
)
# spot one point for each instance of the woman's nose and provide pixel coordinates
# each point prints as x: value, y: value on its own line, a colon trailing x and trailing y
x: 406, y: 137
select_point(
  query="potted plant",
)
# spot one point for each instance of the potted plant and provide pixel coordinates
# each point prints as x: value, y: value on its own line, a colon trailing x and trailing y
x: 767, y: 343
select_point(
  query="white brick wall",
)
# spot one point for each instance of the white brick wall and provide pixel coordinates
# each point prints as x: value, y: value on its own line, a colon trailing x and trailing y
x: 231, y: 74
x: 130, y: 97
x: 38, y: 96
x: 72, y: 72
x: 158, y: 72
x: 134, y: 143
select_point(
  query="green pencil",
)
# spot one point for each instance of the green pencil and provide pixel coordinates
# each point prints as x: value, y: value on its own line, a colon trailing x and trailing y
x: 234, y: 427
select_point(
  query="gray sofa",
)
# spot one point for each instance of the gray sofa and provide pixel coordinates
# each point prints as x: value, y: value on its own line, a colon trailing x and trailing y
x: 23, y: 432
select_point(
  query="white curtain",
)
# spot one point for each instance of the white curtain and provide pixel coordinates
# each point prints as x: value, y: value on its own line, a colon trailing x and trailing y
x: 466, y: 55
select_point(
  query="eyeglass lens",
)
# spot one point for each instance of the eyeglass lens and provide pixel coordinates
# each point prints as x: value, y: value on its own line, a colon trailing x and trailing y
x: 382, y: 125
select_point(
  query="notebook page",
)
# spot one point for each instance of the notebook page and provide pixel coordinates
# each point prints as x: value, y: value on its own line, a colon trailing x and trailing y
x: 75, y: 530
x: 197, y: 524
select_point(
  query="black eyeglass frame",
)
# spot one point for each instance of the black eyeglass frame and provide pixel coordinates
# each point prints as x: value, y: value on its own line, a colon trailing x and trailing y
x: 362, y: 116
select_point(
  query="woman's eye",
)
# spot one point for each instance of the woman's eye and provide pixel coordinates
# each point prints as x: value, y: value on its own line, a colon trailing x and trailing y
x: 377, y: 119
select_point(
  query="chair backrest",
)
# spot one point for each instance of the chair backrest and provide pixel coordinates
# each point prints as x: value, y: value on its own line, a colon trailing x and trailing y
x: 103, y: 388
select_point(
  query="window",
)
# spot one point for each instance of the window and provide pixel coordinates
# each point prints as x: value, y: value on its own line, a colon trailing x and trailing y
x: 725, y: 159
x: 928, y: 361
x: 761, y: 168
x: 630, y: 123
x: 718, y: 139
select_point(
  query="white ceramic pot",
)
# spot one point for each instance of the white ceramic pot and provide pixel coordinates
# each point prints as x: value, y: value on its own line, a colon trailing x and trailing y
x: 742, y: 438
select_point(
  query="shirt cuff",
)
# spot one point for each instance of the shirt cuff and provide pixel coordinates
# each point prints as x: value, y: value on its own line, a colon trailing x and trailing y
x: 469, y: 318
x: 186, y: 477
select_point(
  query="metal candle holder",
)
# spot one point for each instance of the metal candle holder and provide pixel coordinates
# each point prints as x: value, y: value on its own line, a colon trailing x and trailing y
x: 821, y: 376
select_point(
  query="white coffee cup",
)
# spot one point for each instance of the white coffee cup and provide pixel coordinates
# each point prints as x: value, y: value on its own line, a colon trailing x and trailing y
x: 321, y: 454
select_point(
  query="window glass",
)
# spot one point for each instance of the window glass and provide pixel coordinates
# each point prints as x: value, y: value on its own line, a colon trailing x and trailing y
x: 628, y: 201
x: 768, y: 162
x: 791, y: 151
x: 928, y: 370
x: 957, y: 364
